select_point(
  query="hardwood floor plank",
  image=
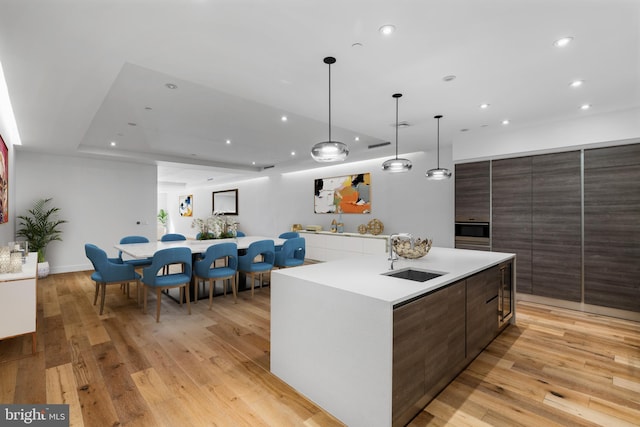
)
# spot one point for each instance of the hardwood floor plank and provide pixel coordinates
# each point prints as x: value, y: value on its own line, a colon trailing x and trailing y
x: 61, y: 388
x: 8, y: 380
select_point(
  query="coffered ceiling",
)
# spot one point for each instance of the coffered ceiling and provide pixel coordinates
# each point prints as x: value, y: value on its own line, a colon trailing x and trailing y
x: 84, y: 75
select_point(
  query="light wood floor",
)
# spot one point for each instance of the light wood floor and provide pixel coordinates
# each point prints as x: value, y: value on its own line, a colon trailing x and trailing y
x: 555, y: 367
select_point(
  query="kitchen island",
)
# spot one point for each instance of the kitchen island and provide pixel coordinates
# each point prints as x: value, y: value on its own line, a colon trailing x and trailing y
x: 373, y: 349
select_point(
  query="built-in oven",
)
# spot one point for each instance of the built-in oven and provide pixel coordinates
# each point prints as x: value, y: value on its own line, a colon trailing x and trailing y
x: 505, y: 293
x: 472, y: 235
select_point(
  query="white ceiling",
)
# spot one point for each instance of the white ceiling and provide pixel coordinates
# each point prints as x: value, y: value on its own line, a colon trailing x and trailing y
x: 83, y: 73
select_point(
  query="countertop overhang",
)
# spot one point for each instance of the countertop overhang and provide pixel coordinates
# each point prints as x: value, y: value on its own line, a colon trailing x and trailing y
x: 364, y: 275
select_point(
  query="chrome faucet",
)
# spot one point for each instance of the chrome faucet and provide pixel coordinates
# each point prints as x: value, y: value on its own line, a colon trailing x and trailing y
x: 402, y: 236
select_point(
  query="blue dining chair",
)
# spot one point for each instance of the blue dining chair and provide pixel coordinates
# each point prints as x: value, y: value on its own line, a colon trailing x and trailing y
x: 240, y: 234
x: 182, y: 280
x: 292, y: 253
x: 137, y: 263
x: 258, y: 259
x: 109, y: 271
x: 172, y: 237
x: 206, y: 269
x: 289, y: 235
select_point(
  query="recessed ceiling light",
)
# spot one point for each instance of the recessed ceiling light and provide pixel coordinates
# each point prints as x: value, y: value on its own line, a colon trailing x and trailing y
x: 563, y: 41
x: 576, y: 83
x: 228, y: 141
x: 148, y: 108
x: 357, y: 138
x: 449, y: 78
x: 253, y: 163
x: 464, y: 130
x: 132, y: 124
x: 484, y: 106
x: 293, y: 153
x: 387, y: 29
x: 505, y: 122
x: 171, y: 86
x: 113, y: 143
x: 585, y: 106
x: 283, y: 118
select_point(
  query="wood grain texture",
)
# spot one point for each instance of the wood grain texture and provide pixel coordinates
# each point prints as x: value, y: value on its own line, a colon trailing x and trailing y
x: 555, y: 367
x: 612, y: 227
x: 512, y: 222
x: 472, y: 191
x: 556, y: 249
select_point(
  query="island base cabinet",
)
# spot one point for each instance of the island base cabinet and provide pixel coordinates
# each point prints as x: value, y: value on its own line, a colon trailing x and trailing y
x: 428, y: 348
x: 482, y: 310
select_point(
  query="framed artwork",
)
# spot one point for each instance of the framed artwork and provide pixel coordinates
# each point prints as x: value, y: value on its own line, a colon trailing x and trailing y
x: 225, y: 202
x: 186, y: 205
x: 4, y: 182
x: 343, y: 194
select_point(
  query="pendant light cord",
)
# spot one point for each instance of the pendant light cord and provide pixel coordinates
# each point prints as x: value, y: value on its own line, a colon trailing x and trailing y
x: 329, y: 102
x: 397, y: 127
x: 438, y: 142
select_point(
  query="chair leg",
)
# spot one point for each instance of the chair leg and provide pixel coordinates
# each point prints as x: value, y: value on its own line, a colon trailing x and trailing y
x: 138, y: 292
x: 234, y: 288
x: 186, y: 288
x: 103, y: 292
x: 95, y: 298
x: 158, y: 295
x: 211, y: 285
x: 252, y: 282
x: 181, y: 295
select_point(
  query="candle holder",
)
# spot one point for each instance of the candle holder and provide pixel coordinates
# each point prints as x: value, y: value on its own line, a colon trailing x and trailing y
x: 16, y: 262
x: 5, y: 259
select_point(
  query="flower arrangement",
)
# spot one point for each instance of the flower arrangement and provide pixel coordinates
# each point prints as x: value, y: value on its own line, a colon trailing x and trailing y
x: 217, y: 226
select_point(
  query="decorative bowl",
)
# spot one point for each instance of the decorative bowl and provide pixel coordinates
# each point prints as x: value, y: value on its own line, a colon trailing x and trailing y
x: 403, y: 247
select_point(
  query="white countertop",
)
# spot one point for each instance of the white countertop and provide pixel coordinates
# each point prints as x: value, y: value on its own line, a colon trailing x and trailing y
x: 363, y: 274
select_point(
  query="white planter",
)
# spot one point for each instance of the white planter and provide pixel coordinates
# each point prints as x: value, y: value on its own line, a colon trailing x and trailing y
x: 43, y: 269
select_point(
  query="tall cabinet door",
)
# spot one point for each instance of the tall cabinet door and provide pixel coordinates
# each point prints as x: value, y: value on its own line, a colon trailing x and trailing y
x: 472, y: 191
x: 557, y: 226
x: 511, y: 223
x: 612, y: 227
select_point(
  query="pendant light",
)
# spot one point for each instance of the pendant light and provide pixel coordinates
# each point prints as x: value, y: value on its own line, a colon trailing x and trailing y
x: 397, y: 165
x: 329, y: 151
x: 438, y: 173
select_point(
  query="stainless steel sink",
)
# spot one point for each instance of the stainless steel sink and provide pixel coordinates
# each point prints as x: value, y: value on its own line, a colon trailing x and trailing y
x: 413, y: 274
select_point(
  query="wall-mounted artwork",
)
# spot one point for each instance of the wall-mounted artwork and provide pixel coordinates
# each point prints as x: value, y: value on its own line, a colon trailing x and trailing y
x: 225, y: 202
x: 4, y: 182
x: 343, y: 194
x: 186, y: 205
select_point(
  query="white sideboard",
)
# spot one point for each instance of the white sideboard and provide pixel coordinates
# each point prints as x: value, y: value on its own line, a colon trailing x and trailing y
x: 18, y: 301
x: 327, y: 246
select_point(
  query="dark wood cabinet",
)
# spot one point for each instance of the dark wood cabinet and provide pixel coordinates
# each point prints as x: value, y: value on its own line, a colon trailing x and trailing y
x: 482, y: 310
x: 428, y: 348
x: 472, y: 189
x: 556, y: 250
x: 612, y: 227
x: 511, y: 222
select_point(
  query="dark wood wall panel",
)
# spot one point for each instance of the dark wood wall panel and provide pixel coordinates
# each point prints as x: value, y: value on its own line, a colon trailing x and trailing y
x: 612, y: 227
x: 511, y: 215
x: 472, y: 188
x: 556, y: 262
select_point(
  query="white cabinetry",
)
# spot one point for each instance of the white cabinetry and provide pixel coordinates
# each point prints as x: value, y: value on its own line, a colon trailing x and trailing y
x: 327, y: 246
x: 18, y: 301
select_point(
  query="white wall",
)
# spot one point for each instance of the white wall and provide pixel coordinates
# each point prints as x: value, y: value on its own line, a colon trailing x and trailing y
x: 270, y: 205
x: 592, y: 130
x: 101, y: 199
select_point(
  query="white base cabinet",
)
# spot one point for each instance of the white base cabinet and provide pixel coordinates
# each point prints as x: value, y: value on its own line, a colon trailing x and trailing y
x: 327, y: 246
x: 18, y: 301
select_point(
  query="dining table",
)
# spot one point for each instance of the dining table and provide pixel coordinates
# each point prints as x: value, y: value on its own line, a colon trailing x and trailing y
x: 197, y: 247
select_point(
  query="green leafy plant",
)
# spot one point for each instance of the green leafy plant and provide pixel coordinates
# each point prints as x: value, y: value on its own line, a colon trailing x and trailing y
x: 162, y: 217
x: 40, y: 227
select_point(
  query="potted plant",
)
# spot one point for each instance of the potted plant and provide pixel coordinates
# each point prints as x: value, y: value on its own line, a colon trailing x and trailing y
x: 40, y: 227
x: 163, y: 216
